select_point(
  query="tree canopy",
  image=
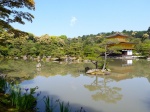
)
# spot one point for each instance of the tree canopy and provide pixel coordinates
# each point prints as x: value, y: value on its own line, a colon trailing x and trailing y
x: 10, y: 13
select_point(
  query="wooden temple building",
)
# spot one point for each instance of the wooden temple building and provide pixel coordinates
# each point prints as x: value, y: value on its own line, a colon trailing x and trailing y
x: 123, y: 43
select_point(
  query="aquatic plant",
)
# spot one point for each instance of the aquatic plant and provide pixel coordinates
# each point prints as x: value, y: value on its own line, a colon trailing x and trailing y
x: 23, y: 100
x: 20, y: 99
x: 63, y: 107
x: 3, y: 85
x: 81, y: 110
x: 49, y: 105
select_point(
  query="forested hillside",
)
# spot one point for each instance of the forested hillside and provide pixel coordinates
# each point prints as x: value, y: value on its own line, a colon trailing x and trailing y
x: 12, y: 45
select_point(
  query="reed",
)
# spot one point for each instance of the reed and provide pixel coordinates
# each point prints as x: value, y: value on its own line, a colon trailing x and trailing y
x: 63, y: 107
x: 49, y: 105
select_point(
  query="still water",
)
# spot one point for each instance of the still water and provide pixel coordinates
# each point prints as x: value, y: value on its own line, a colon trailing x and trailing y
x: 126, y: 89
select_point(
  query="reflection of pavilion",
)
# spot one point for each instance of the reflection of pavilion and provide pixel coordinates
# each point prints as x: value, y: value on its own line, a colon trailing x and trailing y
x: 122, y: 69
x: 121, y: 65
x: 103, y: 91
x: 128, y: 62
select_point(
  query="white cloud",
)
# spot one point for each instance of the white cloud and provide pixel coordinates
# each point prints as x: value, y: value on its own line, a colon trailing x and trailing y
x: 73, y: 21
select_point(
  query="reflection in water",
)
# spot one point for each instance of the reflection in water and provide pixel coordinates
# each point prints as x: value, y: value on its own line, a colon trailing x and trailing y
x: 139, y: 68
x: 127, y: 62
x: 124, y: 90
x: 19, y: 68
x: 104, y: 91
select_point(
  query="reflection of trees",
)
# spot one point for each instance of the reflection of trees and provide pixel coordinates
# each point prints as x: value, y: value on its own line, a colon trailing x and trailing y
x: 18, y: 68
x: 27, y: 69
x: 52, y: 69
x: 142, y: 69
x: 21, y: 68
x: 103, y: 91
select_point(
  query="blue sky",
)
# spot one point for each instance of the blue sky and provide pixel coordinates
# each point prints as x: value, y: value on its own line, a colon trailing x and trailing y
x: 82, y: 17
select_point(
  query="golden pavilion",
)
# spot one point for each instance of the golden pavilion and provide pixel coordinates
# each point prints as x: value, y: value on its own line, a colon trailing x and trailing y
x: 123, y: 43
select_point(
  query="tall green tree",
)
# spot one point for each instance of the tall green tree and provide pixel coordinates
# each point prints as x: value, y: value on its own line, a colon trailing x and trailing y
x: 93, y: 53
x: 145, y: 48
x: 109, y: 47
x: 58, y: 52
x: 74, y: 47
x: 148, y: 31
x: 4, y: 42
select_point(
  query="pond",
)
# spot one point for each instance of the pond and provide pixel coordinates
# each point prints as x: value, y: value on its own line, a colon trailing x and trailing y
x: 126, y: 89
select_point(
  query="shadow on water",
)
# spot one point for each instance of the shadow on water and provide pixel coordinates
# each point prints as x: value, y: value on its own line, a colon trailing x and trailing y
x: 54, y: 103
x: 146, y: 101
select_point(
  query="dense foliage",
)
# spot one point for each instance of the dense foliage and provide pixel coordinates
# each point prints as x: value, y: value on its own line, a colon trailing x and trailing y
x: 89, y: 47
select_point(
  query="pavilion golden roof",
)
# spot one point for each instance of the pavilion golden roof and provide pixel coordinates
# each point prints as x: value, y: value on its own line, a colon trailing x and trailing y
x: 116, y: 34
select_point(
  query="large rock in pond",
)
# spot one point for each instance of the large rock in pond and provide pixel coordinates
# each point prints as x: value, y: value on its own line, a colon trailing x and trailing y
x: 98, y: 72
